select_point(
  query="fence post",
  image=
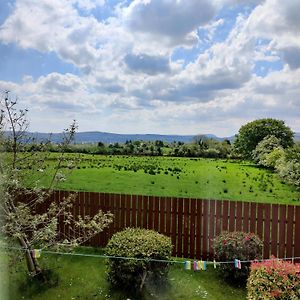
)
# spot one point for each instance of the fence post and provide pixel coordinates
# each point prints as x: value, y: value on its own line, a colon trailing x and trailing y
x: 297, y: 234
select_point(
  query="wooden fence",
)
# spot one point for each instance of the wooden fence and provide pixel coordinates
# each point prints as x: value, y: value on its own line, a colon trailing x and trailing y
x: 192, y: 224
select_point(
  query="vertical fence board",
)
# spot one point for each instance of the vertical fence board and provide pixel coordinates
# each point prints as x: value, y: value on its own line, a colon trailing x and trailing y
x: 168, y: 215
x: 139, y: 211
x: 162, y: 212
x: 212, y: 222
x: 253, y: 216
x: 150, y: 213
x: 290, y: 230
x: 93, y: 203
x: 218, y: 217
x: 199, y: 205
x: 122, y: 212
x: 246, y: 217
x: 179, y: 226
x: 205, y: 229
x: 145, y: 211
x: 174, y: 225
x: 225, y: 216
x: 186, y: 224
x: 297, y: 234
x: 274, y: 233
x: 128, y: 210
x: 282, y: 231
x: 260, y: 219
x: 134, y: 211
x: 192, y: 228
x: 156, y: 213
x: 266, y: 253
x: 232, y: 215
x: 239, y: 215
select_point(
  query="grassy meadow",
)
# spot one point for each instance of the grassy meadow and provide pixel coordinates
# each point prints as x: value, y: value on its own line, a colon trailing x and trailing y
x: 179, y: 177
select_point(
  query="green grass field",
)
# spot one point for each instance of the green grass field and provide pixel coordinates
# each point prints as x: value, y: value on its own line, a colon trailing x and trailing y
x: 84, y: 278
x: 179, y: 177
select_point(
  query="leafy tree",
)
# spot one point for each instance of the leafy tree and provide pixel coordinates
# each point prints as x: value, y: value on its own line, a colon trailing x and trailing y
x: 253, y: 132
x: 288, y: 167
x: 264, y: 148
x: 34, y: 223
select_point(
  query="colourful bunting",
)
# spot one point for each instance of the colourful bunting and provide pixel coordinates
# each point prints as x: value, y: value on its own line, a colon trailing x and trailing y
x: 187, y: 265
x: 36, y: 253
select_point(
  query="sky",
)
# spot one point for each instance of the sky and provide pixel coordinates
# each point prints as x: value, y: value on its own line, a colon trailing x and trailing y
x: 152, y: 66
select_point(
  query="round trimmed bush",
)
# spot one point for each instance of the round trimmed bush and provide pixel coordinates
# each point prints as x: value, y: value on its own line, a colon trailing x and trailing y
x: 143, y: 244
x: 229, y: 246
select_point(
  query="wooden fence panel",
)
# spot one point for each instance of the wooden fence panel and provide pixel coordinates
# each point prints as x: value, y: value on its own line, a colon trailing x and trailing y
x: 192, y: 224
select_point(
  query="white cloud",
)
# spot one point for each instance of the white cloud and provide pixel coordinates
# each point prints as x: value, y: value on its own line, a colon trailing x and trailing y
x: 173, y: 22
x: 128, y: 77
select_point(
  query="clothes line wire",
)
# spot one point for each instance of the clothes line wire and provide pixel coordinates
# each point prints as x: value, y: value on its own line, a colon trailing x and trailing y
x: 144, y: 259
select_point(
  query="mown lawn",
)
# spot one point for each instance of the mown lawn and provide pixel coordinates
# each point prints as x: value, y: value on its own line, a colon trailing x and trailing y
x: 84, y: 278
x: 179, y: 177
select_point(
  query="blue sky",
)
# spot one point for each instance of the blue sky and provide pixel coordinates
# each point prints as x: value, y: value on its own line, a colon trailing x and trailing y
x: 152, y: 66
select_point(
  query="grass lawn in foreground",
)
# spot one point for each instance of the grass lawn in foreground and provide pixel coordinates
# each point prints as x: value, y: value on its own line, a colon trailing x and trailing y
x: 84, y: 278
x: 178, y: 177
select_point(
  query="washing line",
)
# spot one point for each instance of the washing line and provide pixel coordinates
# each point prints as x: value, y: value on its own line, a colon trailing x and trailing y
x: 144, y: 259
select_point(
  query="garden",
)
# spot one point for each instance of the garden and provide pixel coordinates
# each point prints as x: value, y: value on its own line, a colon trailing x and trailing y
x: 40, y: 240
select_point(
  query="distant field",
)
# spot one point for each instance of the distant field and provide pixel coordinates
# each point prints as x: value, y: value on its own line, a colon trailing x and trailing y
x: 179, y: 177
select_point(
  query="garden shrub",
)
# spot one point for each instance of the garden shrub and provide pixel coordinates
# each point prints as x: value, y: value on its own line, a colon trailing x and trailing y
x: 229, y: 246
x: 131, y: 274
x: 274, y: 279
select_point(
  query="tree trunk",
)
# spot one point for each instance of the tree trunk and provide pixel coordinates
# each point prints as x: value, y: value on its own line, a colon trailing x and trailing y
x: 32, y: 264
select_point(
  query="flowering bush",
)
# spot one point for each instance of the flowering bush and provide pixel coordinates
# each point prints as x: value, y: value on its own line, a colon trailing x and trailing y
x: 229, y: 246
x: 274, y: 279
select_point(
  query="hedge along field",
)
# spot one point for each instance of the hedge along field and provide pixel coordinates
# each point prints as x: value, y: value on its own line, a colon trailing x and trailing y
x: 178, y: 177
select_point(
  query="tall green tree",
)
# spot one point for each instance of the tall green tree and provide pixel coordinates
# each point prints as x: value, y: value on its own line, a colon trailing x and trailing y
x: 254, y: 132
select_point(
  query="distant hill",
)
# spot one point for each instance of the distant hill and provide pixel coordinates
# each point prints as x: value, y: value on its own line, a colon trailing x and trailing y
x: 106, y: 137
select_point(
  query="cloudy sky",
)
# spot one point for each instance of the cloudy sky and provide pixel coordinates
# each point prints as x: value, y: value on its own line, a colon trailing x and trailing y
x: 152, y: 66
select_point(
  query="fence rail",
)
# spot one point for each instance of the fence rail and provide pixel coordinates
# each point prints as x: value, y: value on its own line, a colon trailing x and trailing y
x: 192, y: 223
